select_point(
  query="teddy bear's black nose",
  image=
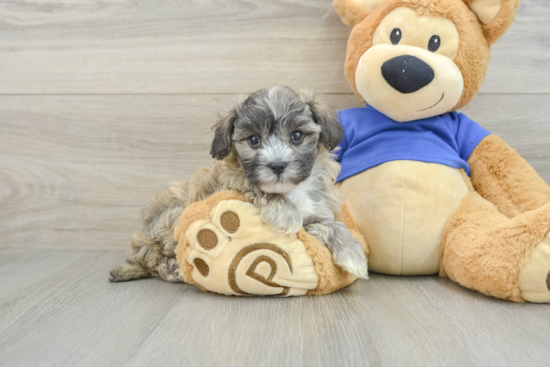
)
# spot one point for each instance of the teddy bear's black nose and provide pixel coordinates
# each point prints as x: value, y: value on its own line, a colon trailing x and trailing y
x: 407, y: 74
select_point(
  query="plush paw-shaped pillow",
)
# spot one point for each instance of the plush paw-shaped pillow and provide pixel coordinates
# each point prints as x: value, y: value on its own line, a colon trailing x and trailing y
x: 225, y: 247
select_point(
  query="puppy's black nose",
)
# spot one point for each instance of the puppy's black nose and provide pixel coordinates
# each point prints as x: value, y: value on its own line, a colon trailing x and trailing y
x: 407, y: 74
x: 278, y: 167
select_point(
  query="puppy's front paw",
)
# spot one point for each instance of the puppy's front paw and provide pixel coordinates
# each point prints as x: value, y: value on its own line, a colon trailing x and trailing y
x: 283, y: 220
x: 346, y: 251
x: 352, y: 259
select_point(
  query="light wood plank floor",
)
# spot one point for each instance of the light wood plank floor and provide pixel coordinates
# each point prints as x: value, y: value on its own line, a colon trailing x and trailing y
x: 58, y: 309
x: 104, y: 102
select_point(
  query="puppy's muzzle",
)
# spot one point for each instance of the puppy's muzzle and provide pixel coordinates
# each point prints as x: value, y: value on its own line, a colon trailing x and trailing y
x: 407, y: 73
x: 278, y: 167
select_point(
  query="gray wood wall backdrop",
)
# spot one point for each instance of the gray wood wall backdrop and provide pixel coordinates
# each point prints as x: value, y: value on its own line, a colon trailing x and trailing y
x: 104, y: 102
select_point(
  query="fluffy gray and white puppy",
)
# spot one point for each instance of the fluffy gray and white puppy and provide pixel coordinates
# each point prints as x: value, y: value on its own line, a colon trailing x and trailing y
x: 274, y: 148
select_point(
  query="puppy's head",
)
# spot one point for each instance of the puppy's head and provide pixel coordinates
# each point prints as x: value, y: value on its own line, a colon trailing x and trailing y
x: 277, y: 134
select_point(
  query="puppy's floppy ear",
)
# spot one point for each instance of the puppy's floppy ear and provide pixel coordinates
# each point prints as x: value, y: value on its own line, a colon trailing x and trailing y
x: 354, y: 11
x: 223, y: 134
x: 332, y: 132
x: 496, y: 16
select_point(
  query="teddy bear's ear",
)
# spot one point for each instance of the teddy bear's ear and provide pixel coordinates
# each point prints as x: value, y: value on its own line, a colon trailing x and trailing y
x: 495, y: 15
x: 353, y: 11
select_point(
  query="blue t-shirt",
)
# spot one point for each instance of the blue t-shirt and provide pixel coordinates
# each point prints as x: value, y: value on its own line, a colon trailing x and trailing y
x: 372, y: 138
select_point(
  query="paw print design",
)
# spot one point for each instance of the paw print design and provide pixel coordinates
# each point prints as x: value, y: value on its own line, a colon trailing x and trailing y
x: 234, y: 252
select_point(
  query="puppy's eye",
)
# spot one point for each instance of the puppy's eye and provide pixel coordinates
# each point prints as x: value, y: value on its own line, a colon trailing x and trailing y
x: 296, y: 137
x: 395, y: 36
x: 254, y: 140
x: 434, y: 44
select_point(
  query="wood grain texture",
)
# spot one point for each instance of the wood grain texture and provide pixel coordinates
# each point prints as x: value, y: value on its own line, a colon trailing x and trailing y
x: 209, y: 46
x: 102, y: 103
x: 75, y: 170
x: 66, y: 313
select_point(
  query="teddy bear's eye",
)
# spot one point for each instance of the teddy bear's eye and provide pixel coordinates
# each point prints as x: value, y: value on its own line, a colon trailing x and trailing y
x: 395, y: 36
x: 434, y: 43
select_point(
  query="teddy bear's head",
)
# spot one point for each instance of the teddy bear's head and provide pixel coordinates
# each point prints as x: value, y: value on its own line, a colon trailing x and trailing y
x: 414, y: 59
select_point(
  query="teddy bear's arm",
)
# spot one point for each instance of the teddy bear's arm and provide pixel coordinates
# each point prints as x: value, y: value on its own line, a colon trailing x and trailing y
x: 503, y: 177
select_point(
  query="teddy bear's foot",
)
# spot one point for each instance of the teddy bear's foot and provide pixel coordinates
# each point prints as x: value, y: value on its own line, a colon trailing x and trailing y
x: 234, y: 252
x: 534, y: 276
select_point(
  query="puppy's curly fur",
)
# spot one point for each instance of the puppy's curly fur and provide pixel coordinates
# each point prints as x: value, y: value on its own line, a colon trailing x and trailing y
x: 274, y: 148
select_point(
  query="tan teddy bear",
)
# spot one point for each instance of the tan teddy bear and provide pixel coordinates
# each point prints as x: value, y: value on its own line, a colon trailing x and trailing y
x: 430, y: 190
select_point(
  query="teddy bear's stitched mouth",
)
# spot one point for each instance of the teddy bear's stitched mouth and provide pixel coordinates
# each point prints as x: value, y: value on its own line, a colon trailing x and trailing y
x: 425, y: 109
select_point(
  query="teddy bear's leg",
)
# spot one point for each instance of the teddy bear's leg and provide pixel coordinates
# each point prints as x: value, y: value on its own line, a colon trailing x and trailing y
x: 502, y: 176
x: 508, y: 258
